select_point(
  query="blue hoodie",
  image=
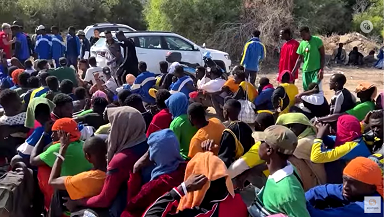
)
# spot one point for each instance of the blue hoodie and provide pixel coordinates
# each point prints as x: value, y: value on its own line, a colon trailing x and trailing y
x: 58, y: 47
x: 254, y: 52
x: 43, y: 47
x: 164, y: 151
x: 73, y: 46
x: 177, y: 104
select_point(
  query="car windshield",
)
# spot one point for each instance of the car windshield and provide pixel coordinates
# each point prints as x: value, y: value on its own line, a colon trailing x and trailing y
x: 101, y: 41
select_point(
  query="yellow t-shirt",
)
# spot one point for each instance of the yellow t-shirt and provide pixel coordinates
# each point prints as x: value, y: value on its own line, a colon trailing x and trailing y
x: 249, y: 89
x: 85, y: 184
x: 213, y: 131
x: 291, y: 91
x: 252, y: 157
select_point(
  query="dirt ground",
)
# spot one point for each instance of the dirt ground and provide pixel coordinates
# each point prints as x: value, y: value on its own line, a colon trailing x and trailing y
x: 354, y: 76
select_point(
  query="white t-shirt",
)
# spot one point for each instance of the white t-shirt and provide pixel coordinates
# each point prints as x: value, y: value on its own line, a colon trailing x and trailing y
x: 111, y: 85
x: 89, y: 74
x: 29, y: 71
x: 213, y: 85
x: 202, y: 81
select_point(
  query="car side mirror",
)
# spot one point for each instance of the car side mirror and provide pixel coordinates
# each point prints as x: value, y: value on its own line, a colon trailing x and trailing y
x: 203, y: 45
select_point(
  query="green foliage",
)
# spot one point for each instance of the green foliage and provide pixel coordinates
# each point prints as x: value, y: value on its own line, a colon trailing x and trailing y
x: 374, y: 13
x: 128, y: 12
x: 195, y: 19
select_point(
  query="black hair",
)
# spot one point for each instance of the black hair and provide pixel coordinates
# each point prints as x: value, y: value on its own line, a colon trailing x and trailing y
x: 264, y: 81
x: 286, y: 77
x: 11, y: 69
x: 120, y: 33
x: 28, y: 64
x: 233, y: 104
x: 54, y: 28
x: 256, y: 33
x: 61, y: 99
x: 66, y: 86
x: 287, y: 31
x: 196, y: 110
x: 277, y: 95
x: 83, y: 61
x: 304, y: 29
x: 161, y: 96
x: 123, y: 95
x: 201, y: 68
x: 216, y: 71
x: 42, y: 109
x: 355, y: 48
x: 23, y: 79
x: 63, y: 61
x: 52, y: 82
x: 100, y: 102
x: 71, y: 28
x: 95, y: 146
x: 33, y: 82
x: 266, y: 119
x: 7, y: 96
x: 163, y: 65
x: 372, y: 52
x: 107, y: 32
x: 41, y: 64
x: 179, y: 69
x: 340, y: 79
x: 142, y: 66
x: 133, y: 100
x: 240, y: 75
x: 377, y: 115
x: 92, y: 61
x: 80, y: 93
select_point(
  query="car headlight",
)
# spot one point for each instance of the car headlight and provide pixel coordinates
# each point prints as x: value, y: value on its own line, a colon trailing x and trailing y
x: 227, y: 56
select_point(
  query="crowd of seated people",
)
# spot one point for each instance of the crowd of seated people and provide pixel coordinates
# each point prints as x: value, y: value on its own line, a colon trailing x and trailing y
x: 148, y: 148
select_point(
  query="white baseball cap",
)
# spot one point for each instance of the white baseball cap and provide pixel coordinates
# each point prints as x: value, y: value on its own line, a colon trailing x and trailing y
x: 41, y: 27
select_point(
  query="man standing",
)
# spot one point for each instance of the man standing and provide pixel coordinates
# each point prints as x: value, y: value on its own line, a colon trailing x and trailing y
x: 85, y: 46
x: 21, y: 51
x: 254, y: 52
x: 288, y: 55
x: 130, y: 63
x: 312, y: 54
x: 5, y: 42
x: 43, y: 44
x: 58, y: 46
x: 73, y: 47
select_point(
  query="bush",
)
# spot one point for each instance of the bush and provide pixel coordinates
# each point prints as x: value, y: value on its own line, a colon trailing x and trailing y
x: 373, y: 13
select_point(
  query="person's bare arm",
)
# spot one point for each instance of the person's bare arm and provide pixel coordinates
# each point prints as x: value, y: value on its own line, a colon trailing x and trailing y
x: 322, y: 63
x: 55, y: 180
x: 330, y: 118
x: 9, y: 42
x: 297, y: 65
x: 39, y: 148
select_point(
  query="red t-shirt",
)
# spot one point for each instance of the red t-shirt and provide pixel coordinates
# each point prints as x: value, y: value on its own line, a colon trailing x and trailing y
x: 288, y: 57
x: 6, y: 48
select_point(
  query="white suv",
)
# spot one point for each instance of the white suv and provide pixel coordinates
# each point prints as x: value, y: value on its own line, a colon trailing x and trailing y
x: 152, y: 47
x: 106, y: 27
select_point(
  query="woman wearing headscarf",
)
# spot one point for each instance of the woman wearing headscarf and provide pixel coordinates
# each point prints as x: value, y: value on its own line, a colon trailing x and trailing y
x: 207, y: 190
x: 126, y: 144
x: 362, y: 178
x: 164, y: 152
x: 177, y: 104
x: 347, y: 144
x: 311, y: 174
x: 367, y: 93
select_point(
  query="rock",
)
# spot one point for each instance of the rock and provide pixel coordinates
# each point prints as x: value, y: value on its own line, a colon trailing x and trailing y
x: 344, y: 39
x: 355, y: 43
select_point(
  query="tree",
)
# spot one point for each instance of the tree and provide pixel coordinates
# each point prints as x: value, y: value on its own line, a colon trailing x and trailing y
x: 374, y: 13
x: 129, y: 12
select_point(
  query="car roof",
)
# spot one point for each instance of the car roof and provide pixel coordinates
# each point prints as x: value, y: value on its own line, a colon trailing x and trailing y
x: 141, y: 33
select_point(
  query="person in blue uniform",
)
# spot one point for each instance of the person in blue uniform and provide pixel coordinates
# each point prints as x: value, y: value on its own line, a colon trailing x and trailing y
x: 144, y: 81
x: 73, y: 47
x: 43, y: 44
x: 58, y: 46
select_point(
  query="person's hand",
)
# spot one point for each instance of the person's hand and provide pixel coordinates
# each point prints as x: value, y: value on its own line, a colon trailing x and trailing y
x: 71, y: 204
x: 323, y: 129
x: 87, y: 104
x: 209, y: 145
x: 50, y: 95
x: 320, y: 75
x: 174, y: 79
x: 48, y: 126
x: 298, y: 98
x: 195, y: 182
x: 366, y: 118
x: 64, y: 139
x: 141, y: 163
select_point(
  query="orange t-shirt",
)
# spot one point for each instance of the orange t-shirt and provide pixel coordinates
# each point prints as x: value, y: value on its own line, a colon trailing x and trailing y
x: 85, y: 184
x: 232, y: 85
x: 213, y: 131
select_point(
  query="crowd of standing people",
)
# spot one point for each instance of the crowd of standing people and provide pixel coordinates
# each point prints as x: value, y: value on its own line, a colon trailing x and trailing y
x: 122, y: 141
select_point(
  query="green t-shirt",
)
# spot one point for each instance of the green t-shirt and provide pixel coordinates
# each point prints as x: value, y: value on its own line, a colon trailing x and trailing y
x: 85, y: 112
x: 62, y: 73
x: 74, y: 162
x: 361, y: 110
x: 184, y: 132
x: 310, y: 51
x: 284, y: 196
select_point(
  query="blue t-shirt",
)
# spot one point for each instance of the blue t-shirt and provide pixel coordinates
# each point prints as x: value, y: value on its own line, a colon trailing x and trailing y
x: 181, y: 85
x: 25, y: 149
x: 142, y: 84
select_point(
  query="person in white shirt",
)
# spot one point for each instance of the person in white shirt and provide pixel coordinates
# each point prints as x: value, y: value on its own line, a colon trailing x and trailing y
x: 201, y: 76
x: 216, y: 82
x: 92, y: 71
x: 110, y: 84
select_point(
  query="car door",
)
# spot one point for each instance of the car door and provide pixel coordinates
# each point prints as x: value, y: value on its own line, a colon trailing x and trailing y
x: 188, y: 53
x: 150, y: 49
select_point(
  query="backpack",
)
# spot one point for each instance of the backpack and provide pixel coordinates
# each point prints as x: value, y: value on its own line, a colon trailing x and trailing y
x: 16, y: 192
